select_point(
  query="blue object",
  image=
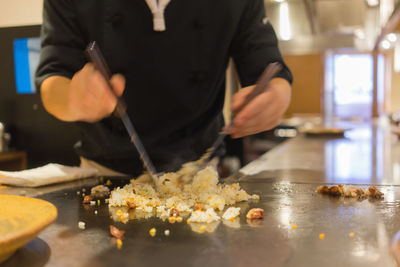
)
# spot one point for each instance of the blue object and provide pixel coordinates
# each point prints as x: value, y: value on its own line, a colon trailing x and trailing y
x: 26, y: 59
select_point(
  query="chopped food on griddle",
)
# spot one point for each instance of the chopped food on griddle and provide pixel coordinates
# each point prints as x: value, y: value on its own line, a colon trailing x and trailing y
x: 114, y: 231
x: 81, y: 225
x: 171, y: 219
x: 119, y: 243
x: 351, y: 191
x: 174, y: 212
x: 255, y: 213
x: 198, y: 195
x: 199, y: 206
x: 204, y: 216
x: 153, y: 232
x: 100, y: 191
x: 231, y: 213
x: 87, y: 199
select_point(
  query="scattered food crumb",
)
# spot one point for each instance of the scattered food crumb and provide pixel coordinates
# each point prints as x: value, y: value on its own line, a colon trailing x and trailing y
x: 100, y: 191
x: 174, y: 213
x: 114, y: 231
x: 83, y: 189
x: 98, y: 202
x: 95, y: 212
x: 83, y: 194
x: 87, y: 199
x: 294, y: 226
x: 166, y: 232
x: 81, y: 225
x: 351, y: 235
x: 153, y: 232
x: 78, y: 193
x: 321, y: 236
x: 92, y: 203
x: 231, y: 213
x: 108, y: 182
x: 119, y: 243
x: 255, y: 213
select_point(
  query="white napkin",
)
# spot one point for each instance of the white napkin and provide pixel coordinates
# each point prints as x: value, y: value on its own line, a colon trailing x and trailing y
x: 49, y: 174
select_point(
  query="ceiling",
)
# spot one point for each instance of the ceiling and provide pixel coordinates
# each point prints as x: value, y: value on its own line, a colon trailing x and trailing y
x: 319, y: 25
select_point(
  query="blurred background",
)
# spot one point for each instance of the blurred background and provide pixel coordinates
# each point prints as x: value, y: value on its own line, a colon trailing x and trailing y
x: 344, y: 55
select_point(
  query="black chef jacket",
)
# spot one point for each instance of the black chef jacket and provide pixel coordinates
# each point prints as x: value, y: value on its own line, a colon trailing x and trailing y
x: 175, y: 80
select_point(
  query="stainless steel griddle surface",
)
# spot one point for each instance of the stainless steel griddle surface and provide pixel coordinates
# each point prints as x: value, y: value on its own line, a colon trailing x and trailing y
x: 287, y: 189
x: 269, y: 242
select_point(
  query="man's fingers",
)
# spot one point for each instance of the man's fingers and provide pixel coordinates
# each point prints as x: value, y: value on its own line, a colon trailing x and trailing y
x: 103, y: 96
x: 260, y: 121
x: 263, y: 112
x: 262, y: 103
x: 240, y: 96
x: 253, y: 127
x: 118, y: 82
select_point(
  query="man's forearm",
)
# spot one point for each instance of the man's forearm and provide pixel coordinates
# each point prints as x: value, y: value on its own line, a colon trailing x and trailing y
x: 55, y: 97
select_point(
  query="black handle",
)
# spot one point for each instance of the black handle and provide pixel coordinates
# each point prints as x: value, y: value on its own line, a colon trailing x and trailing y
x: 95, y: 56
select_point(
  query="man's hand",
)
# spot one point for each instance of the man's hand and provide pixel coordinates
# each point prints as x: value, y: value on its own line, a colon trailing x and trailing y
x: 90, y: 97
x: 263, y: 112
x: 84, y: 98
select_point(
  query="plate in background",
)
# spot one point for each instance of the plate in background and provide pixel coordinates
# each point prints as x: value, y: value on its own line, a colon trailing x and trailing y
x: 322, y: 131
x: 21, y: 220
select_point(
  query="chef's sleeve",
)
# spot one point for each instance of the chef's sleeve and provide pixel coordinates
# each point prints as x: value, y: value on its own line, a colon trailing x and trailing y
x: 255, y: 45
x: 62, y: 44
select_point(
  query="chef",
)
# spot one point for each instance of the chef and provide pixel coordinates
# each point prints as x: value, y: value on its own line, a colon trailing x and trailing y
x: 169, y: 59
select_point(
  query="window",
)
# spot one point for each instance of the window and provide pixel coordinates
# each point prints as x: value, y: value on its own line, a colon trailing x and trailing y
x: 353, y: 85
